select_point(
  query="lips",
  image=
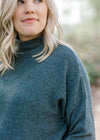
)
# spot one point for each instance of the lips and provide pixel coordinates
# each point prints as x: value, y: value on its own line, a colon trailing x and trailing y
x: 29, y: 20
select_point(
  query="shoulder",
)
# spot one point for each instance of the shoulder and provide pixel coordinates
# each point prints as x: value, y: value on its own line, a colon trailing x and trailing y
x: 67, y: 57
x: 66, y: 53
x: 65, y: 50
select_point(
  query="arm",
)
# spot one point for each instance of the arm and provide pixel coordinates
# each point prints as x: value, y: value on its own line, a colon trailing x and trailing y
x: 79, y: 115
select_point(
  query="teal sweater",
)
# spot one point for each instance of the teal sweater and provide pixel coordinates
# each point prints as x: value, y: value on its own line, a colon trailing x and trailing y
x: 50, y: 100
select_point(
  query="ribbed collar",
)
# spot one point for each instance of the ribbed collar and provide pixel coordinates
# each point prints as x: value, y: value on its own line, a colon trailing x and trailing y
x: 22, y: 47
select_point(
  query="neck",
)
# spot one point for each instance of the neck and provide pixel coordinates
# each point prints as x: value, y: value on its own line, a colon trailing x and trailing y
x: 26, y: 38
x: 29, y: 45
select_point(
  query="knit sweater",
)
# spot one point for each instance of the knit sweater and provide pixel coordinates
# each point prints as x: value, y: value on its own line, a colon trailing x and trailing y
x: 50, y: 100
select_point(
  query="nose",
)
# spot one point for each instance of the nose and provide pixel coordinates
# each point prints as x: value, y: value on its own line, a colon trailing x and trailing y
x: 30, y: 8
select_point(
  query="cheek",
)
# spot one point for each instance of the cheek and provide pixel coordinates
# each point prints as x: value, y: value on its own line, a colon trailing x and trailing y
x: 16, y: 23
x: 15, y: 20
x: 16, y: 17
x: 42, y: 12
x: 43, y: 17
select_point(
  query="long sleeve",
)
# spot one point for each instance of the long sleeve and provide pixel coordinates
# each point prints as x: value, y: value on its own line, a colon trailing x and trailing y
x: 45, y: 101
x: 79, y: 115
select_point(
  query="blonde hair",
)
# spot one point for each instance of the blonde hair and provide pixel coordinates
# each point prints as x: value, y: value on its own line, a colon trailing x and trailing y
x: 8, y: 33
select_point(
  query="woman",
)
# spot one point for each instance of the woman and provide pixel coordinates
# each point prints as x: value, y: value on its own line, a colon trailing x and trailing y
x: 44, y: 88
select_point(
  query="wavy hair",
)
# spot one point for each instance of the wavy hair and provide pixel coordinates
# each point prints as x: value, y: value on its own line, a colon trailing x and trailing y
x: 8, y: 33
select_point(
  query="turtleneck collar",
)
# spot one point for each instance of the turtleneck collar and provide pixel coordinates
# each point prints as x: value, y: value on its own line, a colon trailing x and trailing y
x: 28, y: 46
